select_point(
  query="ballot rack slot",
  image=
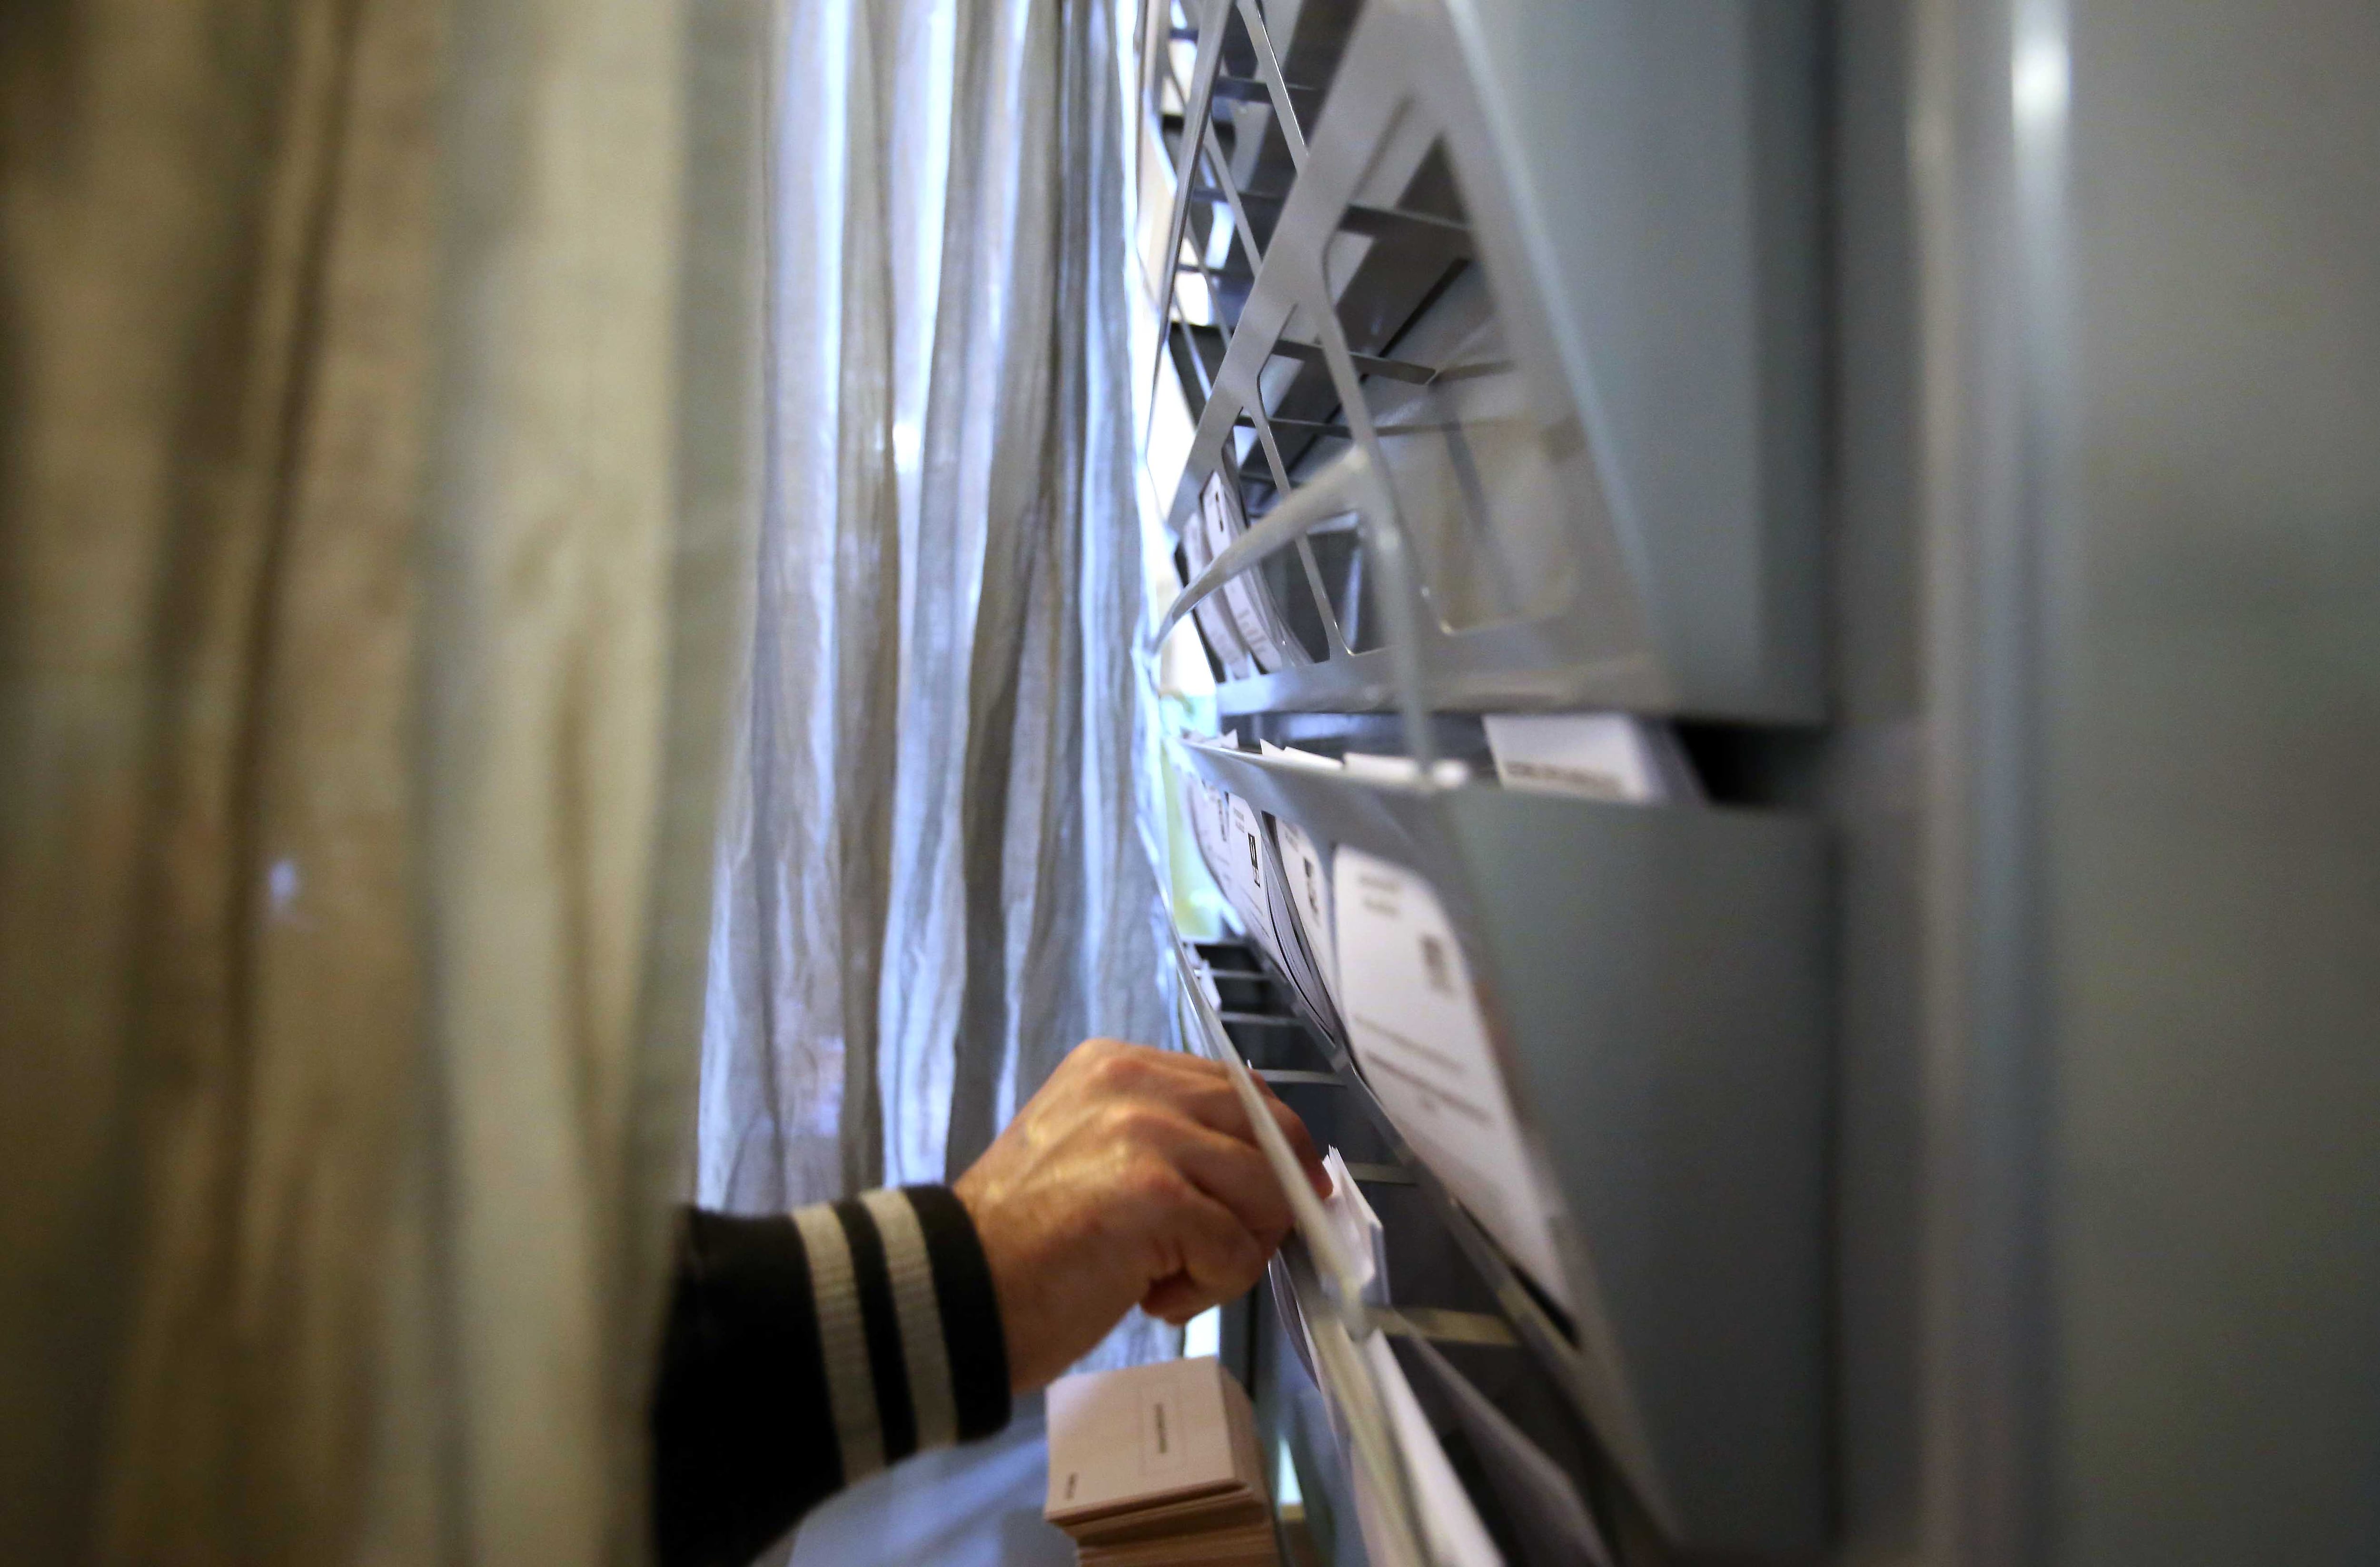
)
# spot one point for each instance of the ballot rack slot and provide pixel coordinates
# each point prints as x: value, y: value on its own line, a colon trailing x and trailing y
x: 1441, y: 1267
x: 1349, y: 1116
x: 1728, y: 1064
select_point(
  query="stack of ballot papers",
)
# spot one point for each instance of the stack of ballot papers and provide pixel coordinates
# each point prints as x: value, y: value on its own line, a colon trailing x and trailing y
x: 1593, y: 756
x: 1158, y: 1465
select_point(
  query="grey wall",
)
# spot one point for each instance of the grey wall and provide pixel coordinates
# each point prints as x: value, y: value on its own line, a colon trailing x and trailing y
x: 2149, y: 457
x: 2213, y: 708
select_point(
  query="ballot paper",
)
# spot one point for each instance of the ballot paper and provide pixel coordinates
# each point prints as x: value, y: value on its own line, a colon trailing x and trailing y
x: 1212, y: 614
x: 1297, y: 758
x: 1595, y: 756
x: 1215, y: 843
x: 1209, y: 811
x: 1361, y: 1236
x: 1290, y: 949
x: 1250, y: 602
x: 1447, y: 772
x: 1292, y: 1316
x: 1549, y: 1524
x: 1307, y: 866
x: 1244, y: 845
x: 1225, y: 850
x: 1229, y: 833
x: 1362, y: 1240
x: 1449, y: 1524
x: 1415, y: 1029
x: 1158, y: 1466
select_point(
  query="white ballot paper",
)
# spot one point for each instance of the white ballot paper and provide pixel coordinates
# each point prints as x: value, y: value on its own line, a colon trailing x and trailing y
x: 1154, y: 1432
x: 1414, y: 1026
x: 1450, y: 1528
x: 1213, y: 809
x: 1364, y: 1242
x: 1308, y: 867
x: 1210, y: 813
x: 1447, y: 772
x: 1553, y: 1526
x: 1359, y: 1231
x: 1226, y: 854
x: 1594, y: 755
x: 1228, y: 830
x: 1213, y: 615
x: 1243, y: 844
x: 1296, y: 758
x: 1159, y: 1467
x: 1253, y: 615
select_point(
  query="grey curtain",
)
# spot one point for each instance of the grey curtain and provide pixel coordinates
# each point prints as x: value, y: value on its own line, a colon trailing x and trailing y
x: 379, y: 393
x: 934, y: 874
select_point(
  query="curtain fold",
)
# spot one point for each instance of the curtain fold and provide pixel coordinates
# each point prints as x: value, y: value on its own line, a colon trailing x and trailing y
x: 379, y: 397
x: 581, y: 553
x: 215, y: 296
x: 932, y: 876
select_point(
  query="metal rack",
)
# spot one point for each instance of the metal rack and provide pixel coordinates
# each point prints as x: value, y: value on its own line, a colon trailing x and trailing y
x: 1563, y: 316
x: 1683, y: 1121
x: 1493, y: 327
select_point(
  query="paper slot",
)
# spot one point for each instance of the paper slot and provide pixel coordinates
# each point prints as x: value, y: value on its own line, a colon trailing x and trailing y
x: 1362, y: 1427
x: 1314, y: 1226
x: 1415, y: 1029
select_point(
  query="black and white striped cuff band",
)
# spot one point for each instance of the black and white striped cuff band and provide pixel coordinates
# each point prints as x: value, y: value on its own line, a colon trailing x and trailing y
x: 908, y: 1324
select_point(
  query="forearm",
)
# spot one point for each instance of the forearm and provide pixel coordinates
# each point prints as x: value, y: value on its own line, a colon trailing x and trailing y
x: 805, y: 1353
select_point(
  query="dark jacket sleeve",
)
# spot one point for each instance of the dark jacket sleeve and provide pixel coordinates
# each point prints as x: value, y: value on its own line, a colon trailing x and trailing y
x: 808, y: 1351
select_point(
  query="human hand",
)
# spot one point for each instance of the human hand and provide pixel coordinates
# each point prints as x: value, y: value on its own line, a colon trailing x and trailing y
x: 1131, y: 1178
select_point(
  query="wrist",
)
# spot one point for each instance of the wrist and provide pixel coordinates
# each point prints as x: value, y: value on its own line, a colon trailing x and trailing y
x: 1011, y: 1311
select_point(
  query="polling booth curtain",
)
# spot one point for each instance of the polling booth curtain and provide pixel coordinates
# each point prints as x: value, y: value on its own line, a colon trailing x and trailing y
x: 933, y: 872
x: 379, y: 398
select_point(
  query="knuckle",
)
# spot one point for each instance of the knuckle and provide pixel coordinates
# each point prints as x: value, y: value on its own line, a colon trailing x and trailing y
x: 1136, y: 1122
x: 1115, y: 1069
x: 1151, y: 1180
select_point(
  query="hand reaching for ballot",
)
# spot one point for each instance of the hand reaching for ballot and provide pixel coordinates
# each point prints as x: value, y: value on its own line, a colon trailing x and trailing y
x: 1133, y: 1177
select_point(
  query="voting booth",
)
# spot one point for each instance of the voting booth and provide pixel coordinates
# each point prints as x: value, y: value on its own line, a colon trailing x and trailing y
x: 1483, y: 406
